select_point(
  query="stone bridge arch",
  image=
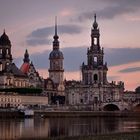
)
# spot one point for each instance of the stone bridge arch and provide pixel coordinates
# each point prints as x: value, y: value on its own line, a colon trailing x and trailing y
x: 111, y: 107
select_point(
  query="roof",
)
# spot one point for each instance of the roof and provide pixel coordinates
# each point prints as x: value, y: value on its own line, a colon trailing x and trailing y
x: 4, y: 40
x: 56, y: 54
x: 12, y: 68
x: 25, y: 67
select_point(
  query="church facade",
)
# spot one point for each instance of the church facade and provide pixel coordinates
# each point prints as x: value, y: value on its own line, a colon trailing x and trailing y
x: 94, y: 90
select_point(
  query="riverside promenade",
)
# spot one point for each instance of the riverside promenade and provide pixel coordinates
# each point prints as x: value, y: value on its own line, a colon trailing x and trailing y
x: 86, y: 113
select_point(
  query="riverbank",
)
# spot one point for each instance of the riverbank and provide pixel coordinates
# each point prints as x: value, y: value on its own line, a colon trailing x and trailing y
x: 118, y: 136
x: 48, y: 114
x: 59, y: 114
x: 11, y: 114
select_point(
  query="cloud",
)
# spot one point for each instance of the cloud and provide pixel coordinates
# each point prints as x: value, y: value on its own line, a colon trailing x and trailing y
x: 114, y: 8
x: 75, y: 56
x: 38, y: 41
x: 106, y: 13
x: 41, y: 36
x: 128, y: 70
x: 119, y: 56
x: 113, y: 78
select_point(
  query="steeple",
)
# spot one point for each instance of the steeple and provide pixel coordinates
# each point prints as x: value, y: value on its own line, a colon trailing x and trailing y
x: 26, y: 57
x: 95, y: 35
x: 95, y: 24
x: 55, y: 37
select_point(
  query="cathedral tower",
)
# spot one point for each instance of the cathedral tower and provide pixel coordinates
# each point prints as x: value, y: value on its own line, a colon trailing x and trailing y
x: 5, y: 52
x: 56, y: 70
x: 95, y: 72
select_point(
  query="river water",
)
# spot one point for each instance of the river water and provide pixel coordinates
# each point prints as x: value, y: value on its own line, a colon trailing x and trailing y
x: 55, y: 127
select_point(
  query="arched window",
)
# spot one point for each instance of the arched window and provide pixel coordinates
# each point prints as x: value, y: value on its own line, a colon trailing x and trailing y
x: 95, y: 59
x: 0, y: 66
x: 95, y: 77
x: 95, y: 41
x: 7, y: 51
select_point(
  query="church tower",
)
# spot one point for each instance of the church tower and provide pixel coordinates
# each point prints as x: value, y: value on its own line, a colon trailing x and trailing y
x: 56, y: 70
x: 5, y: 52
x: 95, y: 72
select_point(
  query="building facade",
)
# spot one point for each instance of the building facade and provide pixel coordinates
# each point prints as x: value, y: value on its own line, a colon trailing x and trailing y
x: 14, y: 100
x: 94, y: 90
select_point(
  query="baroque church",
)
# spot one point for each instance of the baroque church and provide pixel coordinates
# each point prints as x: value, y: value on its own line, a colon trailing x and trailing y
x: 94, y: 90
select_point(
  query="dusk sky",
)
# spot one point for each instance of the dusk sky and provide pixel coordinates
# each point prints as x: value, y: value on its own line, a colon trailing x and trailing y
x: 30, y: 25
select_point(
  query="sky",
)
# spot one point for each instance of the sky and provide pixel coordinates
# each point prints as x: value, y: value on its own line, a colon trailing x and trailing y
x: 30, y: 25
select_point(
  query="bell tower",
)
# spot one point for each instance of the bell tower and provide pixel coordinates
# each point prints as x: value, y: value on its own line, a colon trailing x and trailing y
x: 95, y: 72
x: 56, y: 70
x: 5, y: 52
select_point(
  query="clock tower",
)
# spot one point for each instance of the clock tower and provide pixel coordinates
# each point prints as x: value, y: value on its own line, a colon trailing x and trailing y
x: 56, y: 70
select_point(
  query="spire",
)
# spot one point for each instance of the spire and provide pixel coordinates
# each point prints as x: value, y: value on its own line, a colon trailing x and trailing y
x: 55, y: 37
x: 95, y: 24
x: 56, y: 26
x: 26, y: 57
x: 95, y: 16
x: 4, y: 31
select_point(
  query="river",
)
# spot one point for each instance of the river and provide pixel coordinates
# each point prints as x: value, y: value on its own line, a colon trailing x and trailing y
x: 69, y: 127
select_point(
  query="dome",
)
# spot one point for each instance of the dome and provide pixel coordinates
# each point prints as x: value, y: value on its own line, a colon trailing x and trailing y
x: 4, y: 40
x: 56, y: 54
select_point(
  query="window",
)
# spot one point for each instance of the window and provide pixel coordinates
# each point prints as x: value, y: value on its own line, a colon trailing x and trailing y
x: 95, y: 41
x: 95, y: 59
x: 81, y: 100
x: 7, y: 51
x: 0, y: 51
x: 0, y: 66
x: 95, y: 100
x: 95, y: 77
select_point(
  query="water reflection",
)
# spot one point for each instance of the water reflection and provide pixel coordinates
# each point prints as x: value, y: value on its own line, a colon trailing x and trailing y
x: 53, y: 127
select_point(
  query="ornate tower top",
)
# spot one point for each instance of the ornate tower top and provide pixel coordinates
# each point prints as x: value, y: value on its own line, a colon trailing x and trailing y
x: 56, y: 53
x: 55, y: 37
x: 4, y: 40
x: 26, y: 57
x: 95, y: 36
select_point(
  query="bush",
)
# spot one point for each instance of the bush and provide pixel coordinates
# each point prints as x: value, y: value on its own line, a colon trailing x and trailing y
x: 23, y: 90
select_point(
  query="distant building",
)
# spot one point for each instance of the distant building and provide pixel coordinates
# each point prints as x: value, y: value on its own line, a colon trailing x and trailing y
x: 27, y: 100
x: 54, y: 85
x: 94, y: 90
